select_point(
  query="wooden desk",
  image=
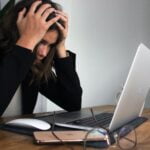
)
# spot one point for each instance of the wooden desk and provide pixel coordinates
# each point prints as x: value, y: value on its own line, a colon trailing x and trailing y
x: 14, y: 141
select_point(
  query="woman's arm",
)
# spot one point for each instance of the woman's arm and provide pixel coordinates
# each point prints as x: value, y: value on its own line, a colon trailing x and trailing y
x: 66, y: 90
x: 13, y: 69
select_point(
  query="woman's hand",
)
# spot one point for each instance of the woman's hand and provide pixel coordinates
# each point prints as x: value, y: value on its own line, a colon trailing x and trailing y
x: 33, y: 26
x: 61, y: 50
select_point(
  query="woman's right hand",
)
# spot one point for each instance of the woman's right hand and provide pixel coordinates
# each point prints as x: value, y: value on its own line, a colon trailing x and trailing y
x: 33, y: 26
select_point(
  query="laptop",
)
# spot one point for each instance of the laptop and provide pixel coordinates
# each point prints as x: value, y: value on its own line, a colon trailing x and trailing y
x: 130, y: 104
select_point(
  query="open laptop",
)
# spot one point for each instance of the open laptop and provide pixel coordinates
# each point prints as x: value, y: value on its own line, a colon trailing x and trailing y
x: 131, y: 101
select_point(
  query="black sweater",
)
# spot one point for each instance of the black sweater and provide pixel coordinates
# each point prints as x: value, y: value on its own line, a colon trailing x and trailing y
x: 15, y: 70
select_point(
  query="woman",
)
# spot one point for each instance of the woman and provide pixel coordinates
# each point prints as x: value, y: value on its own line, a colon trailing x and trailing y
x: 32, y: 43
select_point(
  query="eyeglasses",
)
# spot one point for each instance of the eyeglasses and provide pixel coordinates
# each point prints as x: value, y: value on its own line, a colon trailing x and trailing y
x: 125, y: 138
x: 55, y: 135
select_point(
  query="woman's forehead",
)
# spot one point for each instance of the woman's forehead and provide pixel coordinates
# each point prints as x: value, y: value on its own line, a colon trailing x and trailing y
x: 51, y: 36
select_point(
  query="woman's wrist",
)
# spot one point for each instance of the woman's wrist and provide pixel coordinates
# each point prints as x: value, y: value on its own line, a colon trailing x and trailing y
x: 26, y: 43
x: 61, y: 52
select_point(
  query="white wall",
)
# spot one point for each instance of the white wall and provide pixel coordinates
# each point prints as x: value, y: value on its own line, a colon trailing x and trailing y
x: 2, y: 3
x: 105, y: 35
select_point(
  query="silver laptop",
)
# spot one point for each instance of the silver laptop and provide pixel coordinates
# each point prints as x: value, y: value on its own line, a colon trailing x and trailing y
x: 136, y: 88
x: 132, y: 99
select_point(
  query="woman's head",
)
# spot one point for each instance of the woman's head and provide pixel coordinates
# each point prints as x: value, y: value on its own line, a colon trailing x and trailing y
x: 43, y: 48
x: 9, y: 35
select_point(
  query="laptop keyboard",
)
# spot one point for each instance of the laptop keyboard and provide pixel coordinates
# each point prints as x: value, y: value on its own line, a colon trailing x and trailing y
x: 100, y: 120
x: 103, y: 120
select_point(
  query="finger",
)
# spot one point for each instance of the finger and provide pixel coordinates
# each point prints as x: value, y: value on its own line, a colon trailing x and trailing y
x: 34, y: 6
x: 60, y: 26
x: 52, y: 21
x: 62, y: 13
x: 63, y: 18
x: 21, y: 14
x: 47, y: 13
x: 42, y: 9
x: 65, y: 21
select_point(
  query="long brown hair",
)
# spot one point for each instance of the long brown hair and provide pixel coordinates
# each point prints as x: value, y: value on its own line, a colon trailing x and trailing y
x: 9, y: 35
x: 42, y: 71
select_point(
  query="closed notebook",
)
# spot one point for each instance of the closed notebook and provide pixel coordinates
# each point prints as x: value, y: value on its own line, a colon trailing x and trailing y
x: 42, y: 137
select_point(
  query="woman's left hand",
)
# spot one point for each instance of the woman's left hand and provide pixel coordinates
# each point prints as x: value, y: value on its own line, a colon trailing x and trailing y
x: 61, y: 50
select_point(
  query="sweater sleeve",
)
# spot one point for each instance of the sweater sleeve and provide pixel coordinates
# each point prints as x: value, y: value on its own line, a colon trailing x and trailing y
x: 66, y: 91
x: 13, y: 69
